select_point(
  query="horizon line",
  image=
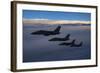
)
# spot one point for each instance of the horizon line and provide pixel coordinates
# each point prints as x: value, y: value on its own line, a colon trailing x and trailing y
x: 52, y: 22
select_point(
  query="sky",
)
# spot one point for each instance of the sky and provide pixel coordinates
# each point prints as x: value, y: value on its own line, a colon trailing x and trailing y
x: 55, y: 15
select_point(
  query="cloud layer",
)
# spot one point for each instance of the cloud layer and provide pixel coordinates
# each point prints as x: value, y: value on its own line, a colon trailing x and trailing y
x: 52, y: 22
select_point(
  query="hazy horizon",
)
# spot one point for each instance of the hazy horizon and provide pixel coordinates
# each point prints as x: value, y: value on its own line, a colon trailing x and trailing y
x: 52, y: 22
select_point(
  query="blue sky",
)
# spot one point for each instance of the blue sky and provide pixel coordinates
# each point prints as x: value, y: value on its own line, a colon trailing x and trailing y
x: 53, y: 15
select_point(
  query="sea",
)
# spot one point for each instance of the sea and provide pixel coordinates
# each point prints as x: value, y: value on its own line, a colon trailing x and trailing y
x: 37, y: 48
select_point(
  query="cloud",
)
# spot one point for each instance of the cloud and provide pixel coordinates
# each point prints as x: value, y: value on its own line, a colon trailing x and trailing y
x: 52, y: 22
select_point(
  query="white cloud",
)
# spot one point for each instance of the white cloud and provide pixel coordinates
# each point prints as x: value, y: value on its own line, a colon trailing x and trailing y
x: 52, y: 22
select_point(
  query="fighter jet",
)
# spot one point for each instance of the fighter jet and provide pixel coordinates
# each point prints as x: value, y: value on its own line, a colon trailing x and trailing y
x: 60, y: 39
x: 68, y: 43
x: 47, y: 33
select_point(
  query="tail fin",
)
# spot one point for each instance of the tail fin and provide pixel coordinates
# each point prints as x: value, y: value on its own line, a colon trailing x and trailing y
x: 57, y: 29
x: 73, y: 42
x: 67, y: 36
x: 81, y: 43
